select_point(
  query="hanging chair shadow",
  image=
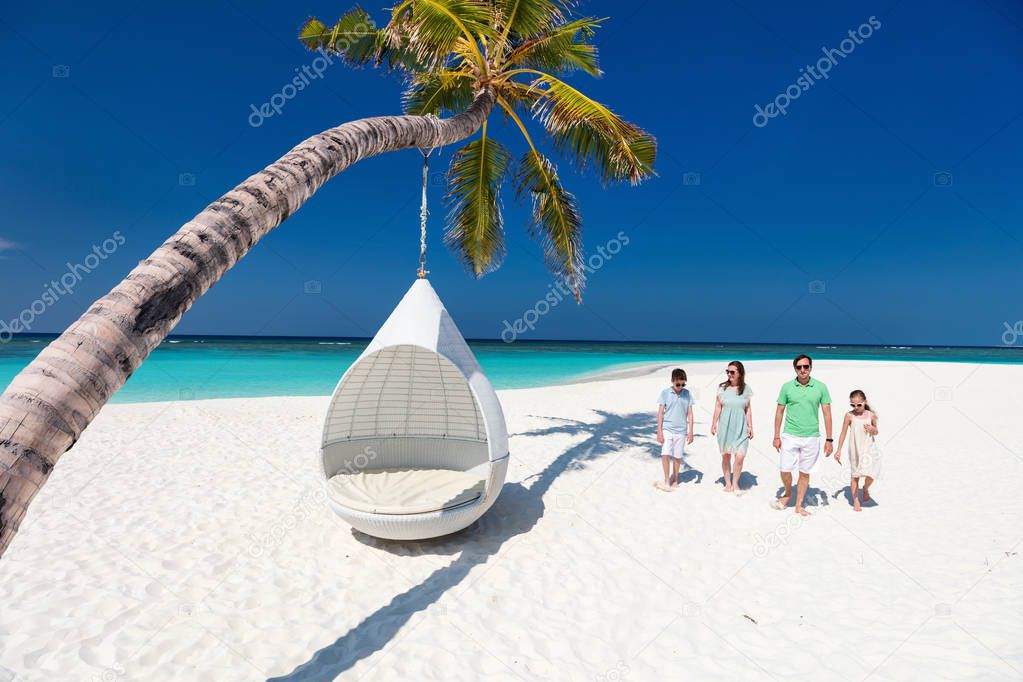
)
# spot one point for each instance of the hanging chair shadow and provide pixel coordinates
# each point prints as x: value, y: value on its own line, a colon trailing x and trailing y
x: 414, y: 443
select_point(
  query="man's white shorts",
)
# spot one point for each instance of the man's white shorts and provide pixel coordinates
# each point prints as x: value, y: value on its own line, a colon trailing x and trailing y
x: 798, y: 453
x: 674, y: 445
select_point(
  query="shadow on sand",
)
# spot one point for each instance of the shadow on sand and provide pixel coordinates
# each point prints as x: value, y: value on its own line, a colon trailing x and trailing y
x: 517, y: 511
x: 815, y: 497
x: 746, y: 481
x: 846, y: 492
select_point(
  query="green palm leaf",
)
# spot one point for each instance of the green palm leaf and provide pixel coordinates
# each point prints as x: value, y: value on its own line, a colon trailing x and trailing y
x: 434, y: 29
x: 555, y: 219
x: 528, y: 17
x: 560, y: 49
x: 475, y: 227
x: 354, y: 37
x: 432, y: 93
x: 588, y: 132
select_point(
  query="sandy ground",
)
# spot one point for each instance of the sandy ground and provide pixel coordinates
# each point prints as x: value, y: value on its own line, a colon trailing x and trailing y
x: 189, y: 540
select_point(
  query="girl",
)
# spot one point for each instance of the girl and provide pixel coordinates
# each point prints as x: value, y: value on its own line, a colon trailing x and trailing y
x: 732, y: 411
x: 861, y: 422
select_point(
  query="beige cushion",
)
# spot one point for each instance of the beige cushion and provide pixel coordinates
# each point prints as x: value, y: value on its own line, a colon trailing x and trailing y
x: 407, y: 491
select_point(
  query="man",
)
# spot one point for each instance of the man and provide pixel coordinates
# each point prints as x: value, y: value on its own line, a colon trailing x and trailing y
x: 799, y: 445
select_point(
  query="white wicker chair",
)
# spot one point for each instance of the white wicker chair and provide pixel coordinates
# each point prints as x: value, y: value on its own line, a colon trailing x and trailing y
x: 414, y: 444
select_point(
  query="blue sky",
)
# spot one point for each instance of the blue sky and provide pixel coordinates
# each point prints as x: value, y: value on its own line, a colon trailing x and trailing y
x: 895, y: 182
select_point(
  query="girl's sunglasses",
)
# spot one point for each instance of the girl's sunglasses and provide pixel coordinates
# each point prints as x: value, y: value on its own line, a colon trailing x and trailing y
x: 855, y: 404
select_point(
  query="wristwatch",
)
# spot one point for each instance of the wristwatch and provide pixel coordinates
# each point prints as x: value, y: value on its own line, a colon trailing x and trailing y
x: 830, y: 440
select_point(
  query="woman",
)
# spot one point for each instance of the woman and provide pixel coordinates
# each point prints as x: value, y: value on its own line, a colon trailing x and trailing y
x: 732, y: 412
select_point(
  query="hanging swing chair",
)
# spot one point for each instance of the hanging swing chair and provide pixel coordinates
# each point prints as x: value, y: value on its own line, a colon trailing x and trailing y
x: 414, y: 443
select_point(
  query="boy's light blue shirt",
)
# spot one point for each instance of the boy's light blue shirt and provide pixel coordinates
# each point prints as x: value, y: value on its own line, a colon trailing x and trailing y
x: 676, y: 409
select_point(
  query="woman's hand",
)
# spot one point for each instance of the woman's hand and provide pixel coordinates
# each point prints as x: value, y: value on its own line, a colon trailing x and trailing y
x: 714, y: 429
x: 749, y: 433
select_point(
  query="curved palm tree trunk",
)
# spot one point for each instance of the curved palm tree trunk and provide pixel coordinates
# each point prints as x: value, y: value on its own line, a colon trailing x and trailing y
x: 48, y: 405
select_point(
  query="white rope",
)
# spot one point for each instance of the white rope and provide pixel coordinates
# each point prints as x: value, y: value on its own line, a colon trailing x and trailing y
x: 423, y: 212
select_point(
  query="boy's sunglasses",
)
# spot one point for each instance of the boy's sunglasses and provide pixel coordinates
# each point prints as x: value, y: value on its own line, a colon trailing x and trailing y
x: 855, y: 404
x: 802, y: 366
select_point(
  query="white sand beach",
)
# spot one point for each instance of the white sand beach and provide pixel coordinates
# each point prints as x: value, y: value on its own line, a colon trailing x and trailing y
x: 190, y: 540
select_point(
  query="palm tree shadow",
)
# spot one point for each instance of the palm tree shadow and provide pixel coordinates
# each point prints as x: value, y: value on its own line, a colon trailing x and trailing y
x: 516, y: 512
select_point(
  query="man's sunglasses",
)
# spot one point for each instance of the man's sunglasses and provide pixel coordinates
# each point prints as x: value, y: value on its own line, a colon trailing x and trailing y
x: 802, y: 366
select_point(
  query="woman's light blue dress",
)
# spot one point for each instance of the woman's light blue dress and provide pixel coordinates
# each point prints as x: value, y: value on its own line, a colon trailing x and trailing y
x: 733, y: 433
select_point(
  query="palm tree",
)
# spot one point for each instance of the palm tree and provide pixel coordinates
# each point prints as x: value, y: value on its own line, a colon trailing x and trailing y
x: 463, y: 57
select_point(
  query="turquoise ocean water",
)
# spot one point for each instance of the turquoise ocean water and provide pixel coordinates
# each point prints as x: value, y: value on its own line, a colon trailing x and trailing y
x: 188, y: 367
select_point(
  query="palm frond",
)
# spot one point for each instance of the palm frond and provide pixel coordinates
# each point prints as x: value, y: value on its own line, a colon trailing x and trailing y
x: 523, y: 18
x: 434, y: 92
x: 560, y: 49
x: 589, y: 133
x: 555, y: 220
x: 354, y: 37
x: 433, y: 29
x: 475, y: 229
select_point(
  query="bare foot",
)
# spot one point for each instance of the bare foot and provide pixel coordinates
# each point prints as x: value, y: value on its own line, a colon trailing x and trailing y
x: 866, y: 496
x: 857, y: 507
x: 802, y: 512
x: 662, y: 486
x: 728, y: 489
x: 780, y: 503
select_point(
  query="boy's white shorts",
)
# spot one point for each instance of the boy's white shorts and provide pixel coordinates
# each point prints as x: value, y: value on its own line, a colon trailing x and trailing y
x: 674, y: 445
x: 798, y: 453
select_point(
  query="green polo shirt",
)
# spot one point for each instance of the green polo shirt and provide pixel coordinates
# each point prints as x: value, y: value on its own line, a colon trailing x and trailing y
x: 801, y: 406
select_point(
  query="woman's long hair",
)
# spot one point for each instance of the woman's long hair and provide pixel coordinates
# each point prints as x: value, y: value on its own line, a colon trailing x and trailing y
x: 863, y: 396
x: 740, y: 377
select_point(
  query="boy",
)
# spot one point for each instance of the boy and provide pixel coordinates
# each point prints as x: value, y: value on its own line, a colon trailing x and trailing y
x: 674, y: 426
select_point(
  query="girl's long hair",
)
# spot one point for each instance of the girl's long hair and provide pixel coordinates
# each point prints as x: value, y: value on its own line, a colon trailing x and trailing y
x: 861, y: 394
x: 740, y: 378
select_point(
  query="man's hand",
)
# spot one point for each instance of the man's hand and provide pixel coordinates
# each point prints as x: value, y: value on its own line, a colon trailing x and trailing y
x: 828, y: 449
x: 660, y: 437
x: 689, y: 438
x: 777, y: 443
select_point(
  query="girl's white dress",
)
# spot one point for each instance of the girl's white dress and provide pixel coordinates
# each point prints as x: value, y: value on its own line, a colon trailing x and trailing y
x: 864, y: 457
